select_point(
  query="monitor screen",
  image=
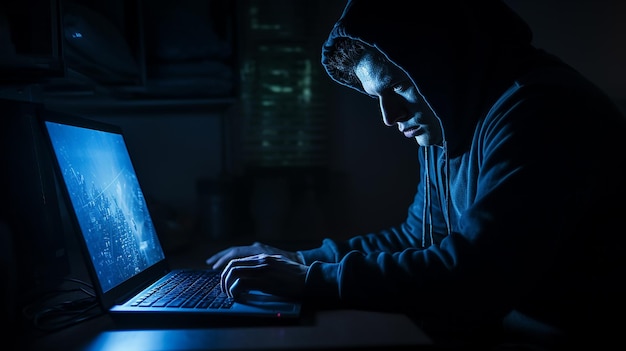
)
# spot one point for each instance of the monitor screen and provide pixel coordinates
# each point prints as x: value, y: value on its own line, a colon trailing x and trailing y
x: 107, y: 200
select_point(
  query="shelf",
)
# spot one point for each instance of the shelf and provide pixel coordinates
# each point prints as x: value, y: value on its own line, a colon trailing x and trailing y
x: 105, y: 105
x: 125, y: 54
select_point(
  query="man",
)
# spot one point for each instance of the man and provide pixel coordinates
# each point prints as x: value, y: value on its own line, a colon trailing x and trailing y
x: 515, y: 234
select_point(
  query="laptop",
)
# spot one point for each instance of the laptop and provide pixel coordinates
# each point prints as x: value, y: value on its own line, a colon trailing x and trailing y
x: 127, y: 264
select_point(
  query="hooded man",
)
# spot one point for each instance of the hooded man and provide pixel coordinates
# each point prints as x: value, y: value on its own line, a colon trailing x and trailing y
x: 515, y: 234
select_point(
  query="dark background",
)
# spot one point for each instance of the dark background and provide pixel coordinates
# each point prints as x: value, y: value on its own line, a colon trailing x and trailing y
x: 188, y: 142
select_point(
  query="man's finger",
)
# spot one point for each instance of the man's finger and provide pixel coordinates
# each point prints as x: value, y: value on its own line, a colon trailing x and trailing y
x: 232, y: 290
x: 239, y: 279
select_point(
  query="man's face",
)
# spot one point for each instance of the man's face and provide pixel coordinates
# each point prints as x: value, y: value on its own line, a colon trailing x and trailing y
x: 400, y: 102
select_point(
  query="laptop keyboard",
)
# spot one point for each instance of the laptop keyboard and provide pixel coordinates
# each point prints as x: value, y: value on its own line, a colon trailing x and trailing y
x: 187, y: 289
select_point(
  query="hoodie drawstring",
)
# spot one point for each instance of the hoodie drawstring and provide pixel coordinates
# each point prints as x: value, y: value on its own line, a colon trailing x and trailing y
x: 427, y: 204
x: 427, y: 210
x: 447, y: 190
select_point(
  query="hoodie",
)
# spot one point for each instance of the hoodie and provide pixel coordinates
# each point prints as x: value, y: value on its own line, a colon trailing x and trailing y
x: 514, y: 234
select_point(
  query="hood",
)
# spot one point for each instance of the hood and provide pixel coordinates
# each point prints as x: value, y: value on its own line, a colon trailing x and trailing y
x: 461, y: 55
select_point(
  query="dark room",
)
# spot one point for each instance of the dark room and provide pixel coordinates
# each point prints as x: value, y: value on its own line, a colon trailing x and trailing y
x: 431, y: 175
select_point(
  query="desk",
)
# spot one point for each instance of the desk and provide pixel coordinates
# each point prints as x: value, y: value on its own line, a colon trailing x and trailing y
x: 326, y: 330
x: 332, y: 330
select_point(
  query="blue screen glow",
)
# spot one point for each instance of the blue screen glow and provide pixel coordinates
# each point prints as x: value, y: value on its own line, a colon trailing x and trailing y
x: 107, y: 200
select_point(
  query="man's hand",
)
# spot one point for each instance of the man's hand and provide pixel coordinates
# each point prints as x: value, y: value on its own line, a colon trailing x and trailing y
x: 220, y: 259
x: 272, y: 274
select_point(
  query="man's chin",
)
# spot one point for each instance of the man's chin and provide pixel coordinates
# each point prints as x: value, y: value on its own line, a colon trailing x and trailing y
x: 421, y: 141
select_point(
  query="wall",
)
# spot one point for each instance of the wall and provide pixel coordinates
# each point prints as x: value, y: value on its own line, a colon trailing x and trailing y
x: 588, y: 34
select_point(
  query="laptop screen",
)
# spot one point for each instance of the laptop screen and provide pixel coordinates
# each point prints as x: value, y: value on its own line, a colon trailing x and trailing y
x: 105, y: 195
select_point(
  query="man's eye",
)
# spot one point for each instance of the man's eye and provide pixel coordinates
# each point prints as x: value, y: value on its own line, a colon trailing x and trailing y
x: 398, y: 88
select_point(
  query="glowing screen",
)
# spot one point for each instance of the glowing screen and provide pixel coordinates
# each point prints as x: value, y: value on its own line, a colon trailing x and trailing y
x: 107, y: 200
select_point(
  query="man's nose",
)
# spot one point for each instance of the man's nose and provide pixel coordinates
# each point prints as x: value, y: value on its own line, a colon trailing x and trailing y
x: 392, y: 112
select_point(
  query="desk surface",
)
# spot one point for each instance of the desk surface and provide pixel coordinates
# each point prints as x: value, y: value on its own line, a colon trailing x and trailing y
x: 327, y: 330
x: 332, y: 330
